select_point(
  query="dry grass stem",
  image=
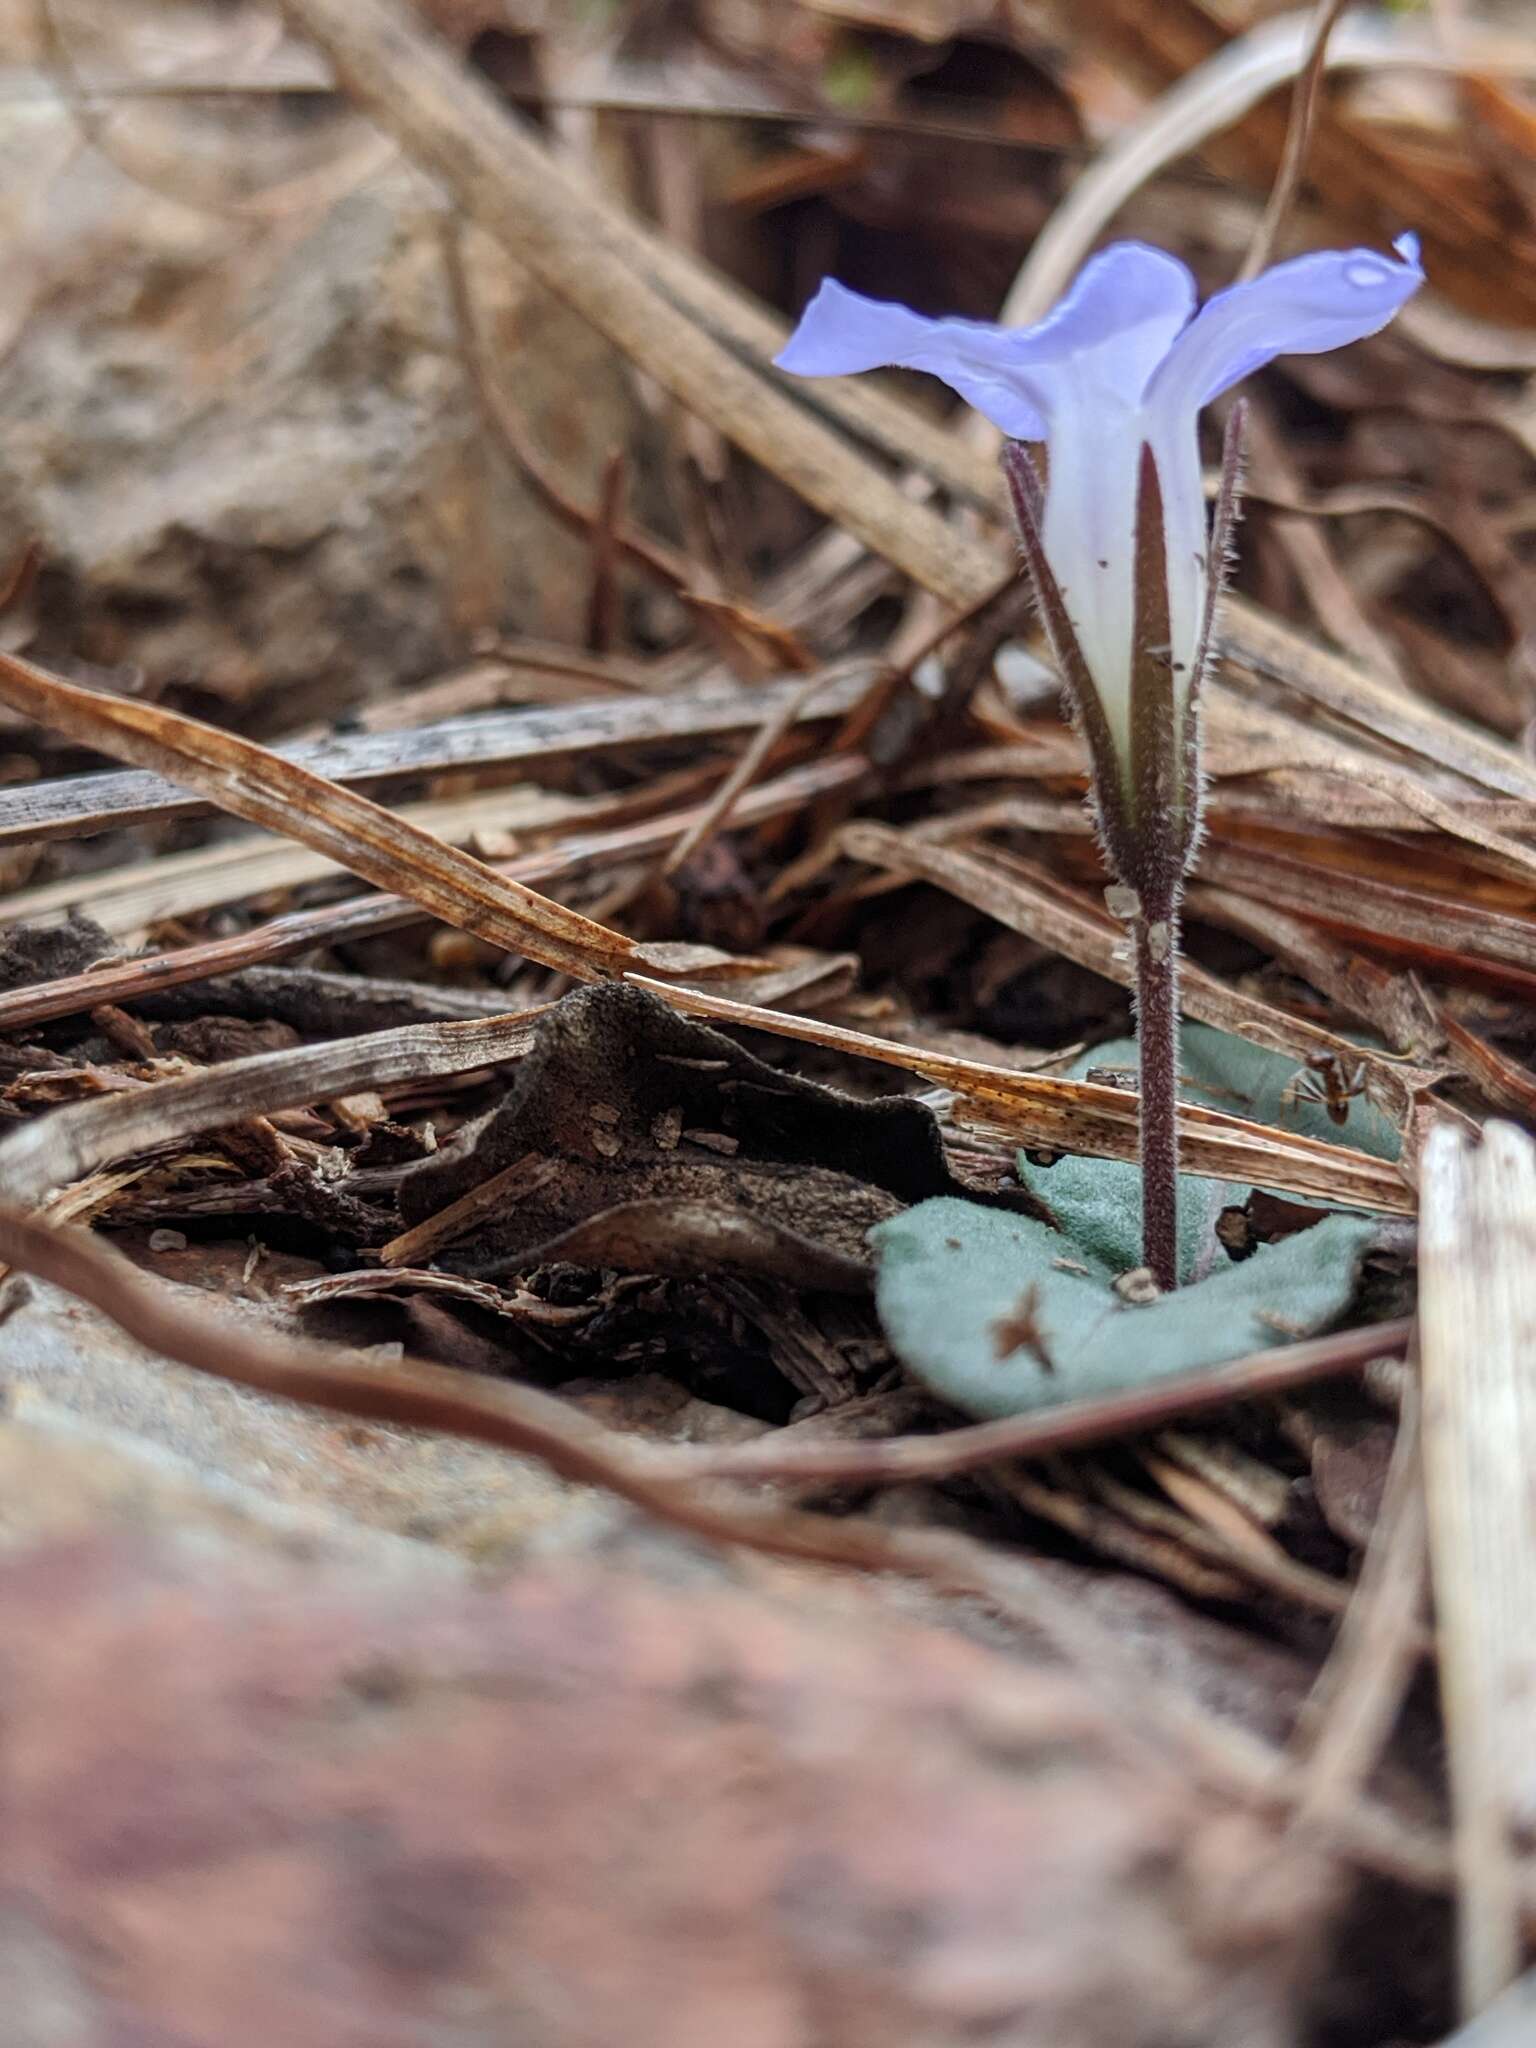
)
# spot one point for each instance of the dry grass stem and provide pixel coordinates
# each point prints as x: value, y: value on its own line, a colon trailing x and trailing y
x: 1477, y: 1343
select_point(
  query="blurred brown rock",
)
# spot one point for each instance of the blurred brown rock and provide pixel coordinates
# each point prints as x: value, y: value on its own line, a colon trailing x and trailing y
x: 254, y: 1796
x: 62, y: 1360
x: 251, y: 452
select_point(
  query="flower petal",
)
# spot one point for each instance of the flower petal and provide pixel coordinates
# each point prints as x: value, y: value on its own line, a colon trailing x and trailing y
x: 841, y: 331
x: 1301, y: 308
x: 1090, y: 542
x: 1106, y: 336
x: 1175, y: 447
x: 1126, y: 308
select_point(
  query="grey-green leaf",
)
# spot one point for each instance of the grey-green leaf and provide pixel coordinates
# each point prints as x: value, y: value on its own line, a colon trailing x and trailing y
x: 1098, y: 1201
x: 1000, y: 1314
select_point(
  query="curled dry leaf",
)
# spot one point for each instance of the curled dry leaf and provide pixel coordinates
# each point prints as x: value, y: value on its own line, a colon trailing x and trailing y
x: 671, y: 1150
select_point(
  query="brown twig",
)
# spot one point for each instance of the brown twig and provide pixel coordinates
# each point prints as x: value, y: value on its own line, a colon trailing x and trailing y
x: 603, y: 600
x: 1075, y: 1425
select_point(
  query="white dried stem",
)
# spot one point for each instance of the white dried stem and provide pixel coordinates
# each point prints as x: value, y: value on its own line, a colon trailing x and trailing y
x: 1478, y: 1351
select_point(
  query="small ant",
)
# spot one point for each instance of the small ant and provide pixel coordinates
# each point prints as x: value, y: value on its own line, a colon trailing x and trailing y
x: 1111, y: 1077
x: 1329, y: 1083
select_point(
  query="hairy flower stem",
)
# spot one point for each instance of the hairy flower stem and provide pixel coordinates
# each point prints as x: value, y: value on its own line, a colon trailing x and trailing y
x: 1157, y: 1035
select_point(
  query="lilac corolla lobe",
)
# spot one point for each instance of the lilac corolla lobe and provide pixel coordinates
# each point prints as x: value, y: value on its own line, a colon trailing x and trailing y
x: 1122, y: 362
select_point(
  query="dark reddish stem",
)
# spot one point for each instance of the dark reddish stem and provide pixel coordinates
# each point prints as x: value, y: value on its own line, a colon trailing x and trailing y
x: 1157, y: 1033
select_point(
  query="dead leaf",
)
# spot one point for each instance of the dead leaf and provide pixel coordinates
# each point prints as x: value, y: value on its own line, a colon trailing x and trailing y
x: 677, y: 1152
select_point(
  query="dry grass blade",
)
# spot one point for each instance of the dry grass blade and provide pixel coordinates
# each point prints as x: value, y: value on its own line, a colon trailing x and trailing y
x: 1392, y: 1004
x: 1502, y: 1081
x: 82, y: 1137
x: 1477, y: 1258
x: 120, y: 981
x: 1359, y: 902
x: 1027, y: 899
x: 73, y: 805
x: 1253, y: 639
x: 379, y: 845
x: 1080, y: 1116
x: 1212, y: 1529
x: 1348, y: 1716
x: 1266, y: 766
x: 123, y: 980
x: 132, y: 898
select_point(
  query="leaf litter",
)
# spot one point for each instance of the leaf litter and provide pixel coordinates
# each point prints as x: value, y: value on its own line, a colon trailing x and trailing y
x: 803, y: 1090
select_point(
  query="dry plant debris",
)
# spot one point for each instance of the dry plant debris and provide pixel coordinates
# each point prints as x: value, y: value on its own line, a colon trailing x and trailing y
x: 527, y: 835
x: 638, y: 1139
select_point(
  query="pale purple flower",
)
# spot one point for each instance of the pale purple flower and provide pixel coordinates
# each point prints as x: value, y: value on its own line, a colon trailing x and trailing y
x: 1115, y: 536
x: 1123, y: 362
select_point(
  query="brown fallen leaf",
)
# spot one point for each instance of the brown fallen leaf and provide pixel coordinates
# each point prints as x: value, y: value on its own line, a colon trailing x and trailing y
x: 661, y: 1146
